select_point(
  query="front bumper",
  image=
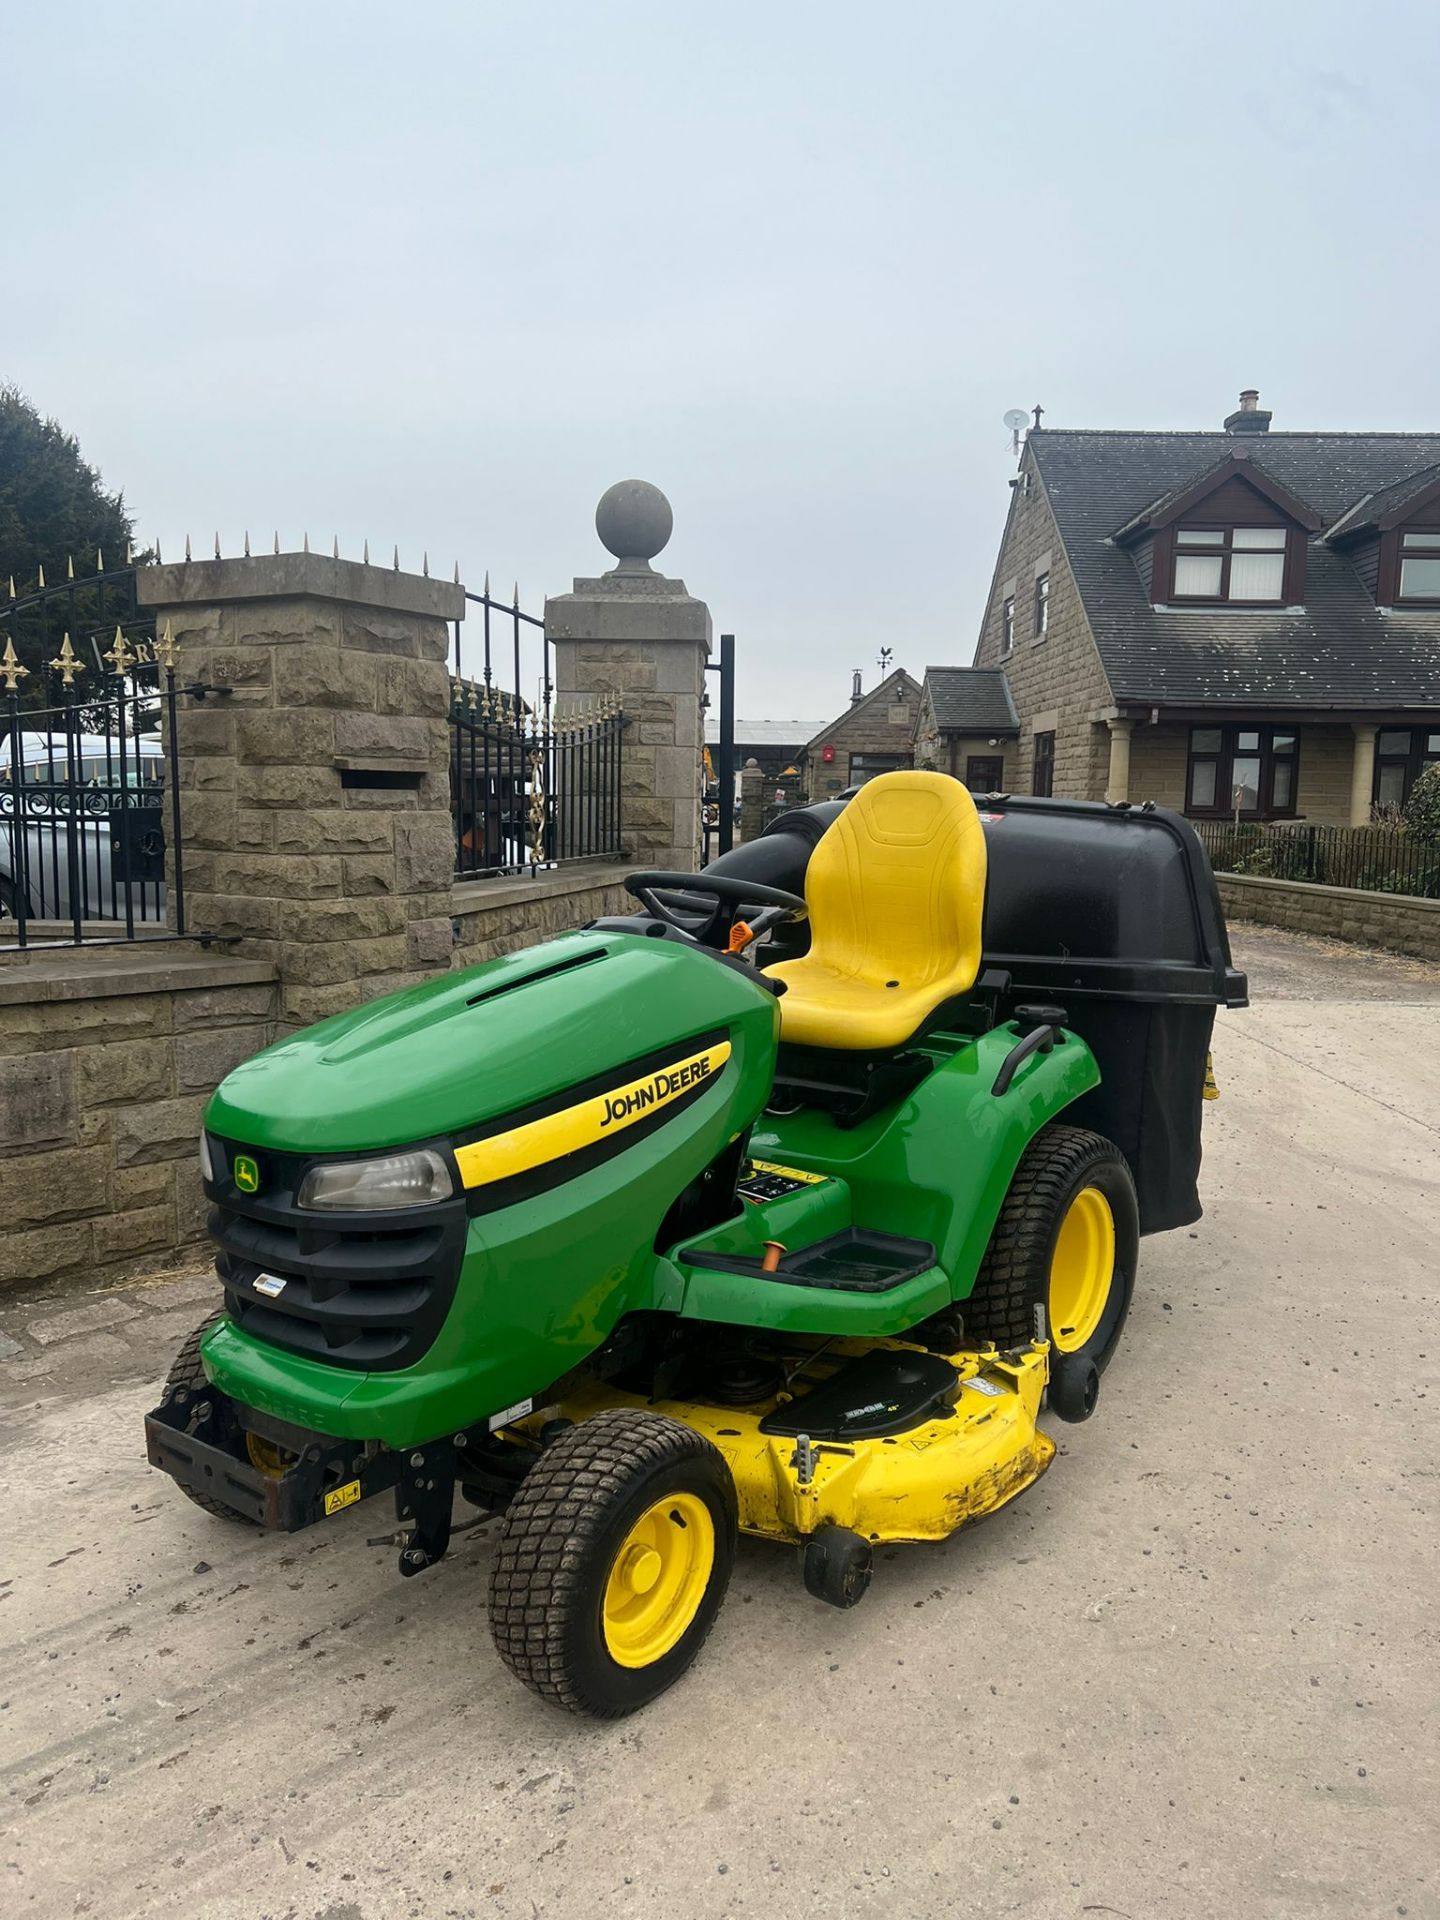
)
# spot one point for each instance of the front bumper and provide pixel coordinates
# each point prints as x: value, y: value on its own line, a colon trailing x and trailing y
x: 199, y: 1440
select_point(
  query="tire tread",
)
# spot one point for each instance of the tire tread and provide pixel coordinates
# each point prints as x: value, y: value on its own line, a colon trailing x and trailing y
x: 555, y: 1524
x: 1002, y: 1305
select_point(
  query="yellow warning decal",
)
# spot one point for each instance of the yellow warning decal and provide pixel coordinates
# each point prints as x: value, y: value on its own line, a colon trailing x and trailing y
x: 791, y: 1173
x: 1212, y: 1090
x: 588, y: 1122
x: 342, y: 1497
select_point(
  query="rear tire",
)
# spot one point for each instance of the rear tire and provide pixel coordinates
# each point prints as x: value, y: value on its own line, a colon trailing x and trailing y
x: 1080, y: 1182
x: 188, y: 1373
x: 612, y: 1561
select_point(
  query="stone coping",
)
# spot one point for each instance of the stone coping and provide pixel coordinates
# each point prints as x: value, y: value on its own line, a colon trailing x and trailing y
x: 291, y: 576
x: 99, y: 973
x: 1362, y: 896
x: 513, y: 890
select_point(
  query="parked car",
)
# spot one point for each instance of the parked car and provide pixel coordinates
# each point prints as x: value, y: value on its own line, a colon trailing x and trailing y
x: 80, y: 829
x: 98, y: 777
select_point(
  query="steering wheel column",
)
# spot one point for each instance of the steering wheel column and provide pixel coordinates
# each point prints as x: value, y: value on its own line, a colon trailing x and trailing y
x: 729, y: 901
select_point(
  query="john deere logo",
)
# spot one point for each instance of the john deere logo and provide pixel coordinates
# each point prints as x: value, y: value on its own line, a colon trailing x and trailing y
x: 247, y: 1174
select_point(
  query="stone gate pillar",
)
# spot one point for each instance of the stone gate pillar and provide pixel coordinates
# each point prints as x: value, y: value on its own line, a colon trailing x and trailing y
x: 315, y: 803
x: 642, y: 638
x: 752, y: 800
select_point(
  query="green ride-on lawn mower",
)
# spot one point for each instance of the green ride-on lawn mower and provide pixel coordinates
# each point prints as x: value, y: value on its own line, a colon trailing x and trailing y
x: 639, y: 1244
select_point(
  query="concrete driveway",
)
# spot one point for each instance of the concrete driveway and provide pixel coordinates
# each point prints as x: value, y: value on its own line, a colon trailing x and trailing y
x: 1196, y: 1671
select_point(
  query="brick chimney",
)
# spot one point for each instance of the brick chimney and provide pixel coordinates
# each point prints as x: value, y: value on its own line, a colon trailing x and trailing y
x: 1251, y: 418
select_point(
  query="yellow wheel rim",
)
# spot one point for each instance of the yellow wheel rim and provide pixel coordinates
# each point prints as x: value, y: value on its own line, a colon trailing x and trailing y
x: 1081, y: 1270
x: 658, y: 1580
x: 269, y: 1458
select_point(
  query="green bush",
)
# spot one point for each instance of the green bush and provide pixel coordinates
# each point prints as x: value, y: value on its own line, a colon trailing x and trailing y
x: 1422, y: 809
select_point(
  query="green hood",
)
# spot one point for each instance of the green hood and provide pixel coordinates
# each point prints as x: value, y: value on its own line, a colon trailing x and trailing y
x: 473, y: 1046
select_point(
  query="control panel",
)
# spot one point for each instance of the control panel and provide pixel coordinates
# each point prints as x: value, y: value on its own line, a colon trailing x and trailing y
x: 762, y: 1180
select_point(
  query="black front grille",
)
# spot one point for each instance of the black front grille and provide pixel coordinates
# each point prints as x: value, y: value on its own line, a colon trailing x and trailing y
x: 368, y: 1291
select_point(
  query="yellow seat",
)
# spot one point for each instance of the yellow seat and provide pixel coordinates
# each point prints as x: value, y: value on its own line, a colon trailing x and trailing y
x: 896, y: 891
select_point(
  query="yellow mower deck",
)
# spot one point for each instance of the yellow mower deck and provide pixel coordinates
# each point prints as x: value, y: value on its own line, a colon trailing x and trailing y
x: 922, y: 1484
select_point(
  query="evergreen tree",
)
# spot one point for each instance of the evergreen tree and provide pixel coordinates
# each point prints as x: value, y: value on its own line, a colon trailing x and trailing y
x: 52, y: 504
x: 1422, y: 809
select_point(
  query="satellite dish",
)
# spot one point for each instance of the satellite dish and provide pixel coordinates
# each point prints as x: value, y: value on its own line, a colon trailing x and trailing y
x: 1017, y: 418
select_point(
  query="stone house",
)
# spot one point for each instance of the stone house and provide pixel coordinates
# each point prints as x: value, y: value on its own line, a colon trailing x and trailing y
x: 967, y: 727
x: 875, y: 734
x: 1224, y: 622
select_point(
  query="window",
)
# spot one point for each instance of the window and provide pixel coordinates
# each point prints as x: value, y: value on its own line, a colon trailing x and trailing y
x: 1007, y: 626
x: 1419, y: 566
x: 984, y: 773
x: 1401, y: 756
x: 865, y: 766
x: 1042, y: 780
x: 1244, y: 564
x: 1250, y: 770
x: 1042, y: 605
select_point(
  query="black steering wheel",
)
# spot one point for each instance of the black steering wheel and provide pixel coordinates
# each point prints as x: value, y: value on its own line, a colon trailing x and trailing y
x: 723, y: 891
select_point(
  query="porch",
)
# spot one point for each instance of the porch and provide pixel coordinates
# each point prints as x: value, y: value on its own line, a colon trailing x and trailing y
x: 1340, y: 772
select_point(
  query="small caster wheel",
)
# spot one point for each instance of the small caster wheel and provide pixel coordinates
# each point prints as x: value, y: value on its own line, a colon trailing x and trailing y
x: 837, y: 1566
x: 1074, y: 1387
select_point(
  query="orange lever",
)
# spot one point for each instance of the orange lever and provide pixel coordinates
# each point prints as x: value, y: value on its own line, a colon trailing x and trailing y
x: 741, y: 934
x: 773, y: 1251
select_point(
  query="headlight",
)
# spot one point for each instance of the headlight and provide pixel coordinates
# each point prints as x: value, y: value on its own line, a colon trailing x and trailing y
x: 207, y: 1172
x: 398, y: 1180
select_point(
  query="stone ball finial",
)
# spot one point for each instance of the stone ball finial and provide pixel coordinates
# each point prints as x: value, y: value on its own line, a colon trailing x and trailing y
x: 633, y: 521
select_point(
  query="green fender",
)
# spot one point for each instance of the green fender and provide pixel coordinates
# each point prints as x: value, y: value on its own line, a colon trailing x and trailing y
x: 937, y: 1168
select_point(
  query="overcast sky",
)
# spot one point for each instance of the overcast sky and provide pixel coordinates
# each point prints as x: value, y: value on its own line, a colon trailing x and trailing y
x: 436, y: 274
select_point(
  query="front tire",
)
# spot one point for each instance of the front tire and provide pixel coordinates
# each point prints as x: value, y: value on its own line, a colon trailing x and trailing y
x: 612, y: 1562
x: 1067, y: 1240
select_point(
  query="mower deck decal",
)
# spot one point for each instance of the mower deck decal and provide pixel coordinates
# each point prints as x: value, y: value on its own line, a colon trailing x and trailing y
x: 589, y: 1122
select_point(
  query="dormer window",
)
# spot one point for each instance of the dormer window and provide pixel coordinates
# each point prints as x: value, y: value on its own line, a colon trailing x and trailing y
x: 1231, y: 537
x: 1242, y: 564
x: 1419, y: 566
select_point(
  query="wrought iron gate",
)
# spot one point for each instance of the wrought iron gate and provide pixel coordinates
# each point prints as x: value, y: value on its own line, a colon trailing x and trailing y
x: 89, y: 776
x: 534, y: 778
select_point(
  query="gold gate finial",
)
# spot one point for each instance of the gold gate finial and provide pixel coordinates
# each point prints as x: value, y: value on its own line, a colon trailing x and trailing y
x: 66, y: 664
x: 11, y: 671
x: 166, y: 648
x: 120, y: 656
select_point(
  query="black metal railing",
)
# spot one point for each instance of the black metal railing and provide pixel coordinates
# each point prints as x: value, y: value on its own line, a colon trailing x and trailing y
x: 89, y: 772
x: 1377, y: 859
x: 534, y: 776
x: 89, y: 796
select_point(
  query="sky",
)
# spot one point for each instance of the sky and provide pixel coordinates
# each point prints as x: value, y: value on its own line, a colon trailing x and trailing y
x: 435, y: 275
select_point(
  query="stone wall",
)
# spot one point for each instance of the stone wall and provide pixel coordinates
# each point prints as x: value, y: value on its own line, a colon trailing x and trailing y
x: 1387, y: 920
x: 107, y: 1057
x: 497, y: 916
x: 1058, y: 684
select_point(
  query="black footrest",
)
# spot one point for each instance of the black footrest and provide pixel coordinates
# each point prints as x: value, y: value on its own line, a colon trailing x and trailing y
x: 855, y: 1261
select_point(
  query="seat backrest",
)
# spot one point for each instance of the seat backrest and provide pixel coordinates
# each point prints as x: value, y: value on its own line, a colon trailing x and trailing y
x: 896, y: 886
